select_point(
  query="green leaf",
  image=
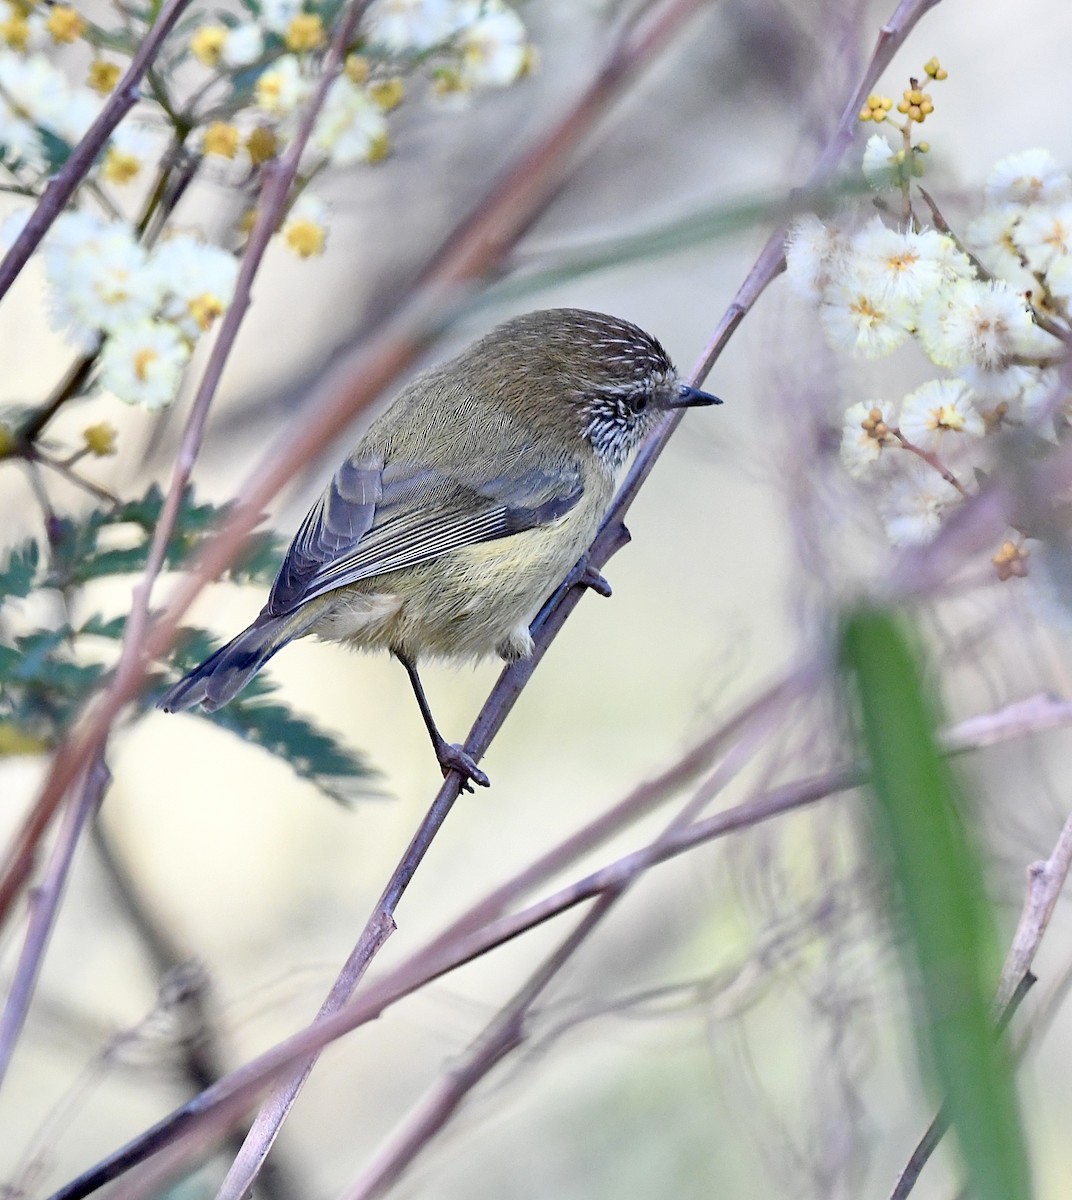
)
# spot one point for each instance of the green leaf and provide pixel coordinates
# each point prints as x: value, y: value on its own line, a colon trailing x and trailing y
x: 260, y: 560
x: 33, y: 651
x: 45, y: 676
x: 19, y: 571
x: 944, y: 909
x: 57, y: 151
x: 43, y: 684
x: 97, y: 626
x: 80, y: 552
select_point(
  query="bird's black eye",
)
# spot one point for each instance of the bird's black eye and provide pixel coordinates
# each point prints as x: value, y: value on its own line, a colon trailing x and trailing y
x: 639, y: 402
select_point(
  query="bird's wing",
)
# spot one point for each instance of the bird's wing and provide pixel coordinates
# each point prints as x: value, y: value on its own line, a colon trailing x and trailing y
x: 372, y: 520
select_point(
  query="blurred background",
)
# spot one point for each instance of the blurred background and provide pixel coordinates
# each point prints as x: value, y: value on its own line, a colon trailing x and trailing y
x: 739, y: 1026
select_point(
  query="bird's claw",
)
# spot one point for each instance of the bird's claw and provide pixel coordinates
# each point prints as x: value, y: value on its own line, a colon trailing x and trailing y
x: 454, y: 758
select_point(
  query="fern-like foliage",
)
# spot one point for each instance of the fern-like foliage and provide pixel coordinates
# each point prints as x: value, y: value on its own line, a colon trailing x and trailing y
x: 47, y: 673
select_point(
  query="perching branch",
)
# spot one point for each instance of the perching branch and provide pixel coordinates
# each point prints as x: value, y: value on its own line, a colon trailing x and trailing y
x: 506, y: 1031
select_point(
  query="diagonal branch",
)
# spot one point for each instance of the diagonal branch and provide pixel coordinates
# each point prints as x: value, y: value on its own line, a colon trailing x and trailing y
x: 506, y: 1031
x: 44, y: 906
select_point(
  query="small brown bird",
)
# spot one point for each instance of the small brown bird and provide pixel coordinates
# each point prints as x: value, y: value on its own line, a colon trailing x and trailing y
x: 464, y: 505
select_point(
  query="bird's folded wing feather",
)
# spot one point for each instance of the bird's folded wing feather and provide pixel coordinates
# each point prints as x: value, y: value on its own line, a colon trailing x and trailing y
x: 372, y: 520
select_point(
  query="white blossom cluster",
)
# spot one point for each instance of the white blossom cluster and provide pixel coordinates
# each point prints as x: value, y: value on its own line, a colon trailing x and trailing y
x: 487, y: 39
x: 37, y: 101
x: 490, y: 36
x: 144, y: 310
x: 150, y: 307
x: 991, y: 314
x: 139, y: 301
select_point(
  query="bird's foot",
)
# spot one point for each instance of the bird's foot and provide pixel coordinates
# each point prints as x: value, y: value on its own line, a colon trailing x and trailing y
x: 454, y: 758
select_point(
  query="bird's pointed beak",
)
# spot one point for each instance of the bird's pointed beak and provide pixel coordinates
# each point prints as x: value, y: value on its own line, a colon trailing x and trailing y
x: 684, y: 396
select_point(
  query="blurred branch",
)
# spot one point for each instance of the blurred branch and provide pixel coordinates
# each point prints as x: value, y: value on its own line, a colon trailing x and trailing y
x: 938, y: 1127
x: 43, y: 906
x: 775, y: 700
x: 542, y: 268
x: 1045, y: 882
x: 225, y: 1100
x: 63, y: 185
x: 202, y: 1055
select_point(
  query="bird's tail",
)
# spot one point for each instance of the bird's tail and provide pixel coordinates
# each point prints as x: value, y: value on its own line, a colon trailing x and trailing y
x: 224, y: 674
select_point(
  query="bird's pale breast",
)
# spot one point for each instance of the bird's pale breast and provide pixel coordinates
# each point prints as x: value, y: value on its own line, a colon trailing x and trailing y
x: 470, y: 603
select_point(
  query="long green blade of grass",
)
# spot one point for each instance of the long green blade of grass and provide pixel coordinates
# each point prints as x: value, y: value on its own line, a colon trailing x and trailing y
x: 937, y: 877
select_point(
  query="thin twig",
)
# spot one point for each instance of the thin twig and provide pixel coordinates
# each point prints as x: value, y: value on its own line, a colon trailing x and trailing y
x: 72, y: 383
x: 939, y: 1126
x: 44, y: 904
x: 1045, y: 882
x: 932, y: 460
x: 199, y: 1043
x: 638, y: 803
x: 74, y: 170
x: 64, y: 470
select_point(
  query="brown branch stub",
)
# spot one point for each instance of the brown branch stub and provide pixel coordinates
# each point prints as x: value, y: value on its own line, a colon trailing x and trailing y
x: 1045, y: 882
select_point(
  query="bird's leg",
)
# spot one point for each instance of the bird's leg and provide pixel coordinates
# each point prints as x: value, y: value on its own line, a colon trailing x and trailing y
x: 451, y: 757
x: 589, y: 577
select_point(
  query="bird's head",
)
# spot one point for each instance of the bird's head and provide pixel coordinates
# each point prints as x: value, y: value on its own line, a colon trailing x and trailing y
x: 587, y: 375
